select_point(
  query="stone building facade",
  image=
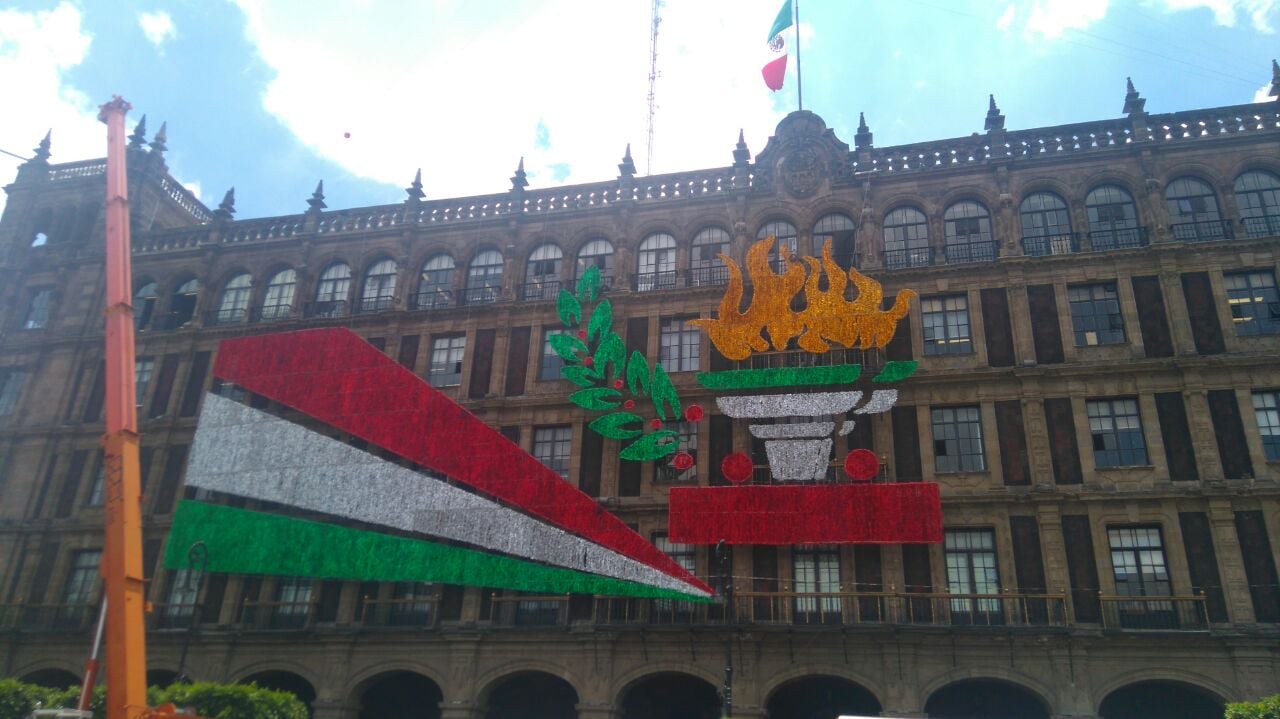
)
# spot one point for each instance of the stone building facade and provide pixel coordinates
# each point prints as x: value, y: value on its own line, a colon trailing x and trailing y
x: 1098, y: 333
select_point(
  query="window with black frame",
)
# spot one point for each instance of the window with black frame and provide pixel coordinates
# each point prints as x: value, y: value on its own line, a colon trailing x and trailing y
x: 906, y: 238
x: 180, y: 601
x: 1254, y: 302
x: 379, y: 287
x: 671, y: 611
x: 839, y: 230
x: 945, y: 322
x: 551, y: 362
x: 1113, y: 219
x: 484, y: 278
x: 597, y: 253
x: 292, y: 608
x: 1193, y: 211
x: 1046, y: 225
x: 80, y: 590
x: 1116, y: 427
x: 411, y: 604
x: 333, y: 290
x: 656, y: 263
x: 11, y: 381
x: 967, y: 232
x: 785, y: 232
x: 447, y: 352
x: 435, y: 285
x: 278, y: 302
x: 143, y: 369
x: 1266, y: 409
x: 1140, y: 570
x: 1258, y: 197
x: 957, y: 439
x: 542, y: 274
x: 144, y: 305
x: 972, y: 569
x: 234, y: 306
x: 680, y: 346
x: 1095, y: 314
x: 552, y: 446
x: 815, y: 569
x: 704, y: 258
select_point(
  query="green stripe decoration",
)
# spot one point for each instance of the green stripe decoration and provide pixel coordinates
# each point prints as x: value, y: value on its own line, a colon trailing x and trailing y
x: 780, y: 377
x: 896, y: 371
x: 241, y: 541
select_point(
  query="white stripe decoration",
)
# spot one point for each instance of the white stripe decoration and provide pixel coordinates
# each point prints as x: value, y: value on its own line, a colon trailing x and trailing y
x: 882, y: 400
x: 245, y: 452
x: 786, y: 431
x: 788, y: 405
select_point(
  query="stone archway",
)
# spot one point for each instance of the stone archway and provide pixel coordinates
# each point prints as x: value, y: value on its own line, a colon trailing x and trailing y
x: 284, y: 681
x: 1163, y: 698
x: 670, y: 695
x: 399, y: 694
x: 985, y: 699
x: 531, y: 695
x: 52, y: 678
x: 821, y: 697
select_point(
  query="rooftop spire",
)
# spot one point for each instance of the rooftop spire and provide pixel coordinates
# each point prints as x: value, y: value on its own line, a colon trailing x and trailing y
x: 42, y: 150
x: 157, y: 144
x: 741, y: 155
x: 414, y: 190
x: 519, y: 181
x: 317, y: 198
x: 627, y: 168
x: 1133, y: 102
x: 1275, y: 80
x: 862, y: 139
x: 227, y: 207
x: 139, y: 136
x: 995, y: 121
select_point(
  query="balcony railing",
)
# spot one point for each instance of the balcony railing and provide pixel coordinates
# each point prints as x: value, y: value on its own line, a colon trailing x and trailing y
x: 415, y: 612
x: 911, y: 257
x: 1122, y: 238
x: 842, y: 608
x: 326, y: 308
x: 272, y: 313
x: 1264, y: 226
x: 963, y: 253
x: 369, y: 305
x: 1202, y: 231
x: 530, y: 611
x: 650, y: 281
x: 277, y: 615
x: 1155, y: 613
x: 173, y: 616
x: 539, y: 290
x: 227, y: 316
x: 479, y: 295
x: 606, y: 281
x: 709, y: 276
x: 1044, y: 245
x: 48, y: 617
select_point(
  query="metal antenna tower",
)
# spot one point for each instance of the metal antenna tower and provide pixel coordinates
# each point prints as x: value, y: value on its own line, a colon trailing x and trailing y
x: 653, y: 81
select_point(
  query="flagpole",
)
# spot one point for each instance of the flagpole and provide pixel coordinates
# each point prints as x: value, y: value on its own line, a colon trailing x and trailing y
x: 795, y: 4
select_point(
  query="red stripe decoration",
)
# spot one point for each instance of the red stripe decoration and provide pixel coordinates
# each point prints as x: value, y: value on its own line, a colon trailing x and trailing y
x: 335, y: 376
x: 899, y: 513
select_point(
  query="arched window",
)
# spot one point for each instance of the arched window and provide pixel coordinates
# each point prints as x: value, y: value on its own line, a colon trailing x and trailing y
x: 144, y: 305
x: 1258, y: 195
x: 435, y: 287
x: 1046, y: 225
x: 657, y: 263
x: 1113, y: 219
x: 234, y: 306
x: 967, y: 226
x: 1193, y: 211
x: 379, y: 287
x: 597, y: 253
x: 484, y: 278
x: 182, y: 305
x: 333, y: 291
x: 786, y: 234
x: 839, y: 230
x: 906, y: 238
x: 542, y: 274
x: 278, y: 302
x: 708, y: 245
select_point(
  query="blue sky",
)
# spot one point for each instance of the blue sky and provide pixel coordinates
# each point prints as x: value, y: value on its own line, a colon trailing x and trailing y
x: 261, y: 95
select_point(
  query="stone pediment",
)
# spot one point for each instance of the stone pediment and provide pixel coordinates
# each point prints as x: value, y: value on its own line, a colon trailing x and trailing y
x: 803, y: 157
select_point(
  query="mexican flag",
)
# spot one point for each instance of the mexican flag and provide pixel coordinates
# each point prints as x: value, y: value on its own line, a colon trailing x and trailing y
x: 776, y: 69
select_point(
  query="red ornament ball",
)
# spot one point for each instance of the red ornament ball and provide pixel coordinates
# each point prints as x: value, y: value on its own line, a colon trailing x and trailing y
x: 682, y: 461
x: 656, y: 423
x: 588, y: 361
x: 617, y: 384
x: 693, y: 413
x: 737, y: 467
x: 582, y: 334
x: 862, y: 465
x: 629, y: 404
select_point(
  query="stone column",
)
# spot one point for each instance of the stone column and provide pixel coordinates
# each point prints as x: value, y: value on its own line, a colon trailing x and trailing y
x: 334, y: 709
x: 460, y: 710
x: 1235, y: 584
x: 597, y: 711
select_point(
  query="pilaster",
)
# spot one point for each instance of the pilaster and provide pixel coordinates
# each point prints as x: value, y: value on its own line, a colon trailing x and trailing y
x: 1226, y: 545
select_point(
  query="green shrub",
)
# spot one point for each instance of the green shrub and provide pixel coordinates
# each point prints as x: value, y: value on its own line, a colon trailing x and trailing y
x: 213, y: 701
x: 1268, y: 708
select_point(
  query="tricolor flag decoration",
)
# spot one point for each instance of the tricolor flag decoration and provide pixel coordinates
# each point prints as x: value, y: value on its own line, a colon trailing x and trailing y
x: 458, y: 502
x: 776, y: 69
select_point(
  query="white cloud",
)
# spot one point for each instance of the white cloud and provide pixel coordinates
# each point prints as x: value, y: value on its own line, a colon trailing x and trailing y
x: 1006, y: 18
x: 157, y: 26
x: 1227, y: 12
x: 467, y: 104
x: 36, y: 48
x: 1263, y: 94
x: 1051, y: 18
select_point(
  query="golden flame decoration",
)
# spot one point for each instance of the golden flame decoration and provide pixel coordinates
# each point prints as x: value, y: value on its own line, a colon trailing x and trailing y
x: 827, y: 317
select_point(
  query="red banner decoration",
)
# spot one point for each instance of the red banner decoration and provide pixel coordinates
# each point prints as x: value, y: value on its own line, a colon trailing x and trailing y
x: 896, y: 513
x: 335, y: 376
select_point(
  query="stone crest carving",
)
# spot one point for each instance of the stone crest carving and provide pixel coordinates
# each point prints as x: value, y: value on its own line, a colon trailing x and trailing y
x: 802, y: 171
